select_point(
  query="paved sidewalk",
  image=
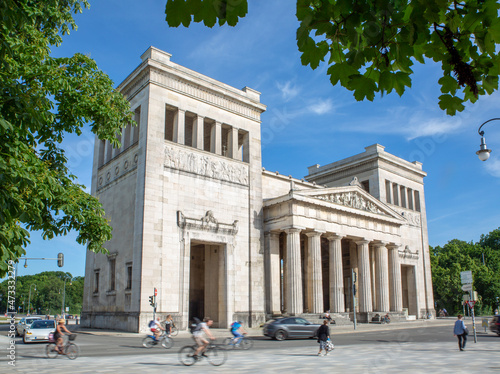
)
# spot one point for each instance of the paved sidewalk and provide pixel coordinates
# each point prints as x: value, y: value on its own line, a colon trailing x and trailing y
x: 372, y: 358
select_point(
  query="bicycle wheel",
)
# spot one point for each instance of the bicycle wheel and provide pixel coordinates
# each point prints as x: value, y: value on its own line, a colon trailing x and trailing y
x: 50, y: 350
x: 246, y: 343
x: 174, y: 331
x: 148, y: 342
x: 186, y: 355
x: 216, y: 356
x: 228, y: 343
x: 72, y: 351
x: 167, y: 343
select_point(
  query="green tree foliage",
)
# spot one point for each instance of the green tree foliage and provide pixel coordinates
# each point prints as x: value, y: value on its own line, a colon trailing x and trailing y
x: 371, y: 45
x: 49, y: 293
x: 41, y: 99
x: 456, y: 256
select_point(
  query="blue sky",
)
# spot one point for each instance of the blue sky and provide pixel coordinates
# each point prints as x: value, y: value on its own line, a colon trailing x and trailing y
x: 307, y: 122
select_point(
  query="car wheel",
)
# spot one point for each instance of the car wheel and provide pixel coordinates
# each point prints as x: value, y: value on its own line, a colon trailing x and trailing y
x: 24, y: 339
x: 280, y: 335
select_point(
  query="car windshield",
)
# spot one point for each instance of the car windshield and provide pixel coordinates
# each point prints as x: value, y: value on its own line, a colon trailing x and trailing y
x: 30, y: 321
x: 43, y: 325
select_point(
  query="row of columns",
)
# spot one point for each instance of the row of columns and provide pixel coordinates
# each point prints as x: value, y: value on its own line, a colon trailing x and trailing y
x: 402, y: 196
x: 233, y: 147
x: 387, y: 274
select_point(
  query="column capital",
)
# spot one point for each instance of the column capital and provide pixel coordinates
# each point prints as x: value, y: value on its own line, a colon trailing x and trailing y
x: 362, y: 241
x: 393, y: 245
x: 311, y: 234
x: 331, y: 237
x: 380, y: 243
x: 291, y: 230
x: 272, y: 233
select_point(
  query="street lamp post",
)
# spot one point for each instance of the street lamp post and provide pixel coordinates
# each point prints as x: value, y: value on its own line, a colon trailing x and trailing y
x: 29, y: 297
x: 484, y: 152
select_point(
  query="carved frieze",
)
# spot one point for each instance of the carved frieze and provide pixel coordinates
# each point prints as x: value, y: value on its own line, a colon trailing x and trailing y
x: 205, y: 165
x: 352, y: 200
x: 412, y: 218
x: 206, y: 223
x: 123, y: 164
x: 408, y: 253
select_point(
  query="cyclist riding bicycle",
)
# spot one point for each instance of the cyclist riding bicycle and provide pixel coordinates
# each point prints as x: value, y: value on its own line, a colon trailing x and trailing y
x: 238, y: 332
x: 58, y: 335
x: 156, y: 328
x: 200, y: 333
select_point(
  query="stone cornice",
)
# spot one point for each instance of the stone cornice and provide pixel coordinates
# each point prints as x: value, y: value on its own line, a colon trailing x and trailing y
x: 187, y: 82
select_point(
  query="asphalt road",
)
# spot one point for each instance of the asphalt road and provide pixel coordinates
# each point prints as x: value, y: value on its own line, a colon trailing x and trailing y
x: 113, y: 345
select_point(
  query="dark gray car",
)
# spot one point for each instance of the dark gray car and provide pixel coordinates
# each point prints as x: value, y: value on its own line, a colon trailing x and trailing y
x: 289, y: 328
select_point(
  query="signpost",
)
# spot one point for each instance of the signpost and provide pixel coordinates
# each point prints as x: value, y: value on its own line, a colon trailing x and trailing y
x: 466, y: 278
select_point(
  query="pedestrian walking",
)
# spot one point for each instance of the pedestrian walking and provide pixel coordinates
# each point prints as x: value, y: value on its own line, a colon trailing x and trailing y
x: 323, y: 336
x: 460, y: 331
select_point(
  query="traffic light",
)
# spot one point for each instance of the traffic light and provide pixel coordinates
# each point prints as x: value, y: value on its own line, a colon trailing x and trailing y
x: 60, y: 260
x: 152, y: 301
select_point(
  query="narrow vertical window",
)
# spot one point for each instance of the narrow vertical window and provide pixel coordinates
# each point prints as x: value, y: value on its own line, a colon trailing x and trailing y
x: 112, y: 274
x: 129, y: 276
x: 96, y: 281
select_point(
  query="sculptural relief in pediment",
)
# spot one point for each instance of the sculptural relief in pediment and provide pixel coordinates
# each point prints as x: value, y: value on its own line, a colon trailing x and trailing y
x: 351, y: 199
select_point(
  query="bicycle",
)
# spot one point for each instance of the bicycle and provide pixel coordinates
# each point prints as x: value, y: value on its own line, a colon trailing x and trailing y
x: 69, y: 349
x: 173, y: 330
x: 215, y: 355
x: 245, y: 342
x: 150, y: 341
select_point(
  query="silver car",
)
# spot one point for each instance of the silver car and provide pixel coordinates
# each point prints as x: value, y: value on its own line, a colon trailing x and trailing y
x: 39, y: 331
x: 290, y: 327
x: 24, y: 323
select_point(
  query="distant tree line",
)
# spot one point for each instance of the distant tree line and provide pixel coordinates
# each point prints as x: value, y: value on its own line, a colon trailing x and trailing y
x: 47, y: 298
x: 481, y: 258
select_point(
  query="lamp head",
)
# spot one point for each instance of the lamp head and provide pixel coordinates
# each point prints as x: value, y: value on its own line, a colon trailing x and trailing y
x: 484, y: 152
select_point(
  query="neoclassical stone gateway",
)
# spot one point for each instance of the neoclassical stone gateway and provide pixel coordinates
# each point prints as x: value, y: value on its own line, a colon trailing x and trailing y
x: 195, y: 216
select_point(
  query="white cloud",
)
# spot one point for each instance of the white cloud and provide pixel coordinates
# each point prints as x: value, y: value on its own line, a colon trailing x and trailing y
x: 492, y: 166
x: 288, y: 90
x: 321, y: 106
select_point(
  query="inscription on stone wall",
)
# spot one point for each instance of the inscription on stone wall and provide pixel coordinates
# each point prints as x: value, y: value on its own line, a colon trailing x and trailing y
x: 352, y: 200
x: 180, y: 159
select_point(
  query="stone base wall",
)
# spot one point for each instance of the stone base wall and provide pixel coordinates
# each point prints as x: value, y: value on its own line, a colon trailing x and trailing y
x: 111, y: 321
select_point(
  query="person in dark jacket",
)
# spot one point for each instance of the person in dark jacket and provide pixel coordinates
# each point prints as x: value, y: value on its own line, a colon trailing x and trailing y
x: 323, y: 336
x: 459, y: 330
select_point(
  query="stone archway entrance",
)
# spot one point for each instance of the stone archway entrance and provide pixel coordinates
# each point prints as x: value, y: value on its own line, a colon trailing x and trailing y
x: 207, y: 280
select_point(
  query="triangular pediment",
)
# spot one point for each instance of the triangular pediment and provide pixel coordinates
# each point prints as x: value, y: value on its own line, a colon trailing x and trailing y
x: 352, y: 197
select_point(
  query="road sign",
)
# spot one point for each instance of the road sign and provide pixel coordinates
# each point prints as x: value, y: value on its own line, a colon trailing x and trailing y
x: 466, y: 277
x: 471, y: 303
x: 467, y: 287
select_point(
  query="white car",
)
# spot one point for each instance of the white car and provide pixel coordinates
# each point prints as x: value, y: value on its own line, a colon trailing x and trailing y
x: 24, y: 323
x: 39, y: 331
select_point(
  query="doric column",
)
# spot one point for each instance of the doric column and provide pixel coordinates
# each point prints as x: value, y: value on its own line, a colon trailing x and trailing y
x: 273, y: 268
x: 216, y: 138
x: 233, y: 143
x: 179, y: 126
x: 395, y: 288
x: 336, y: 274
x: 198, y: 132
x: 382, y: 277
x: 293, y: 302
x: 314, y: 245
x: 365, y: 288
